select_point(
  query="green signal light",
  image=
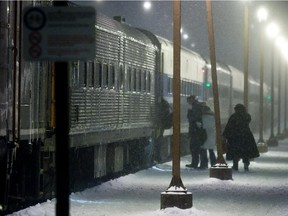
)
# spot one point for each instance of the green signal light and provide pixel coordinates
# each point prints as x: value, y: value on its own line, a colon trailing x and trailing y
x: 208, y: 84
x: 269, y: 97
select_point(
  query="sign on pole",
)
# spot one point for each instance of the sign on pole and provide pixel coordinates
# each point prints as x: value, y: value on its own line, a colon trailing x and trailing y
x: 59, y: 33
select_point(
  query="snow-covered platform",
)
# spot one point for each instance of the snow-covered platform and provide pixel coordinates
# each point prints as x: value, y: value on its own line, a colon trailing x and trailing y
x: 261, y: 191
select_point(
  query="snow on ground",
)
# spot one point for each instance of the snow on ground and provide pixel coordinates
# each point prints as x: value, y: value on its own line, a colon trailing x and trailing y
x: 263, y: 191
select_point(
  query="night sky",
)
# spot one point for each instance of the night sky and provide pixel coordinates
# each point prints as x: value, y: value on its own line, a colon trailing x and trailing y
x: 228, y: 26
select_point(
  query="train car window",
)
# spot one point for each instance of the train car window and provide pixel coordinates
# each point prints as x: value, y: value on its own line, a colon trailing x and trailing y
x: 183, y: 88
x: 187, y: 88
x: 199, y: 88
x: 92, y: 71
x: 193, y: 89
x: 162, y: 63
x: 129, y: 74
x: 148, y: 82
x: 190, y: 90
x: 121, y: 77
x: 85, y: 74
x: 75, y: 74
x: 133, y: 81
x: 205, y: 92
x: 90, y: 74
x: 143, y: 81
x: 210, y: 92
x: 82, y: 74
x: 111, y: 76
x: 98, y: 75
x: 138, y: 81
x: 105, y: 76
x: 170, y: 85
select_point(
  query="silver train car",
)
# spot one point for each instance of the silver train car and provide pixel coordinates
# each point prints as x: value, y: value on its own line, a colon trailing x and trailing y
x: 114, y: 106
x: 113, y: 101
x: 112, y: 117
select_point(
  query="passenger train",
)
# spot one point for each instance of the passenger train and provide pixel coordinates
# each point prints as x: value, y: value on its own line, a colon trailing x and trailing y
x: 113, y: 106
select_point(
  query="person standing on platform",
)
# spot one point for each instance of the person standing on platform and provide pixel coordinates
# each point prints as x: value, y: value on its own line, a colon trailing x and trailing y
x: 195, y: 121
x: 241, y: 142
x: 164, y: 122
x: 208, y: 120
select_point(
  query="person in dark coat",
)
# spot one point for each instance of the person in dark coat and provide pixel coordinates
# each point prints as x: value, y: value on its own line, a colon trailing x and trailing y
x: 194, y: 116
x: 241, y: 142
x: 164, y: 122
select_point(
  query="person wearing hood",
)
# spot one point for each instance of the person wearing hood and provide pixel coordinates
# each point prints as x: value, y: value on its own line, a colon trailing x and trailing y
x: 241, y: 142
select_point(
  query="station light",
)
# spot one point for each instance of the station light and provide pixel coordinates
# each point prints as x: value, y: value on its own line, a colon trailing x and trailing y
x: 208, y: 84
x: 147, y: 5
x: 269, y: 97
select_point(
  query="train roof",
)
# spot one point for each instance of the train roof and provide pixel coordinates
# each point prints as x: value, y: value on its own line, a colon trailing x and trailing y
x: 120, y: 27
x: 220, y: 66
x: 170, y: 43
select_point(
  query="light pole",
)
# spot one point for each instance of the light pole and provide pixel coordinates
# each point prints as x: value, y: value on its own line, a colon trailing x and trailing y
x: 280, y: 43
x: 220, y: 170
x: 176, y: 194
x: 279, y: 103
x: 285, y: 102
x: 285, y: 53
x: 262, y: 16
x: 272, y: 31
x: 246, y: 53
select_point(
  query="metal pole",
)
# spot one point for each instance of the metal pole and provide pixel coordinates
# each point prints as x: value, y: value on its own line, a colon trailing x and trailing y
x: 180, y: 197
x: 279, y: 102
x: 246, y: 54
x: 20, y: 70
x: 272, y: 140
x: 176, y: 180
x: 176, y: 89
x: 62, y: 139
x: 220, y: 158
x: 220, y: 170
x: 15, y: 54
x: 62, y: 134
x: 272, y: 94
x: 261, y: 140
x: 285, y: 100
